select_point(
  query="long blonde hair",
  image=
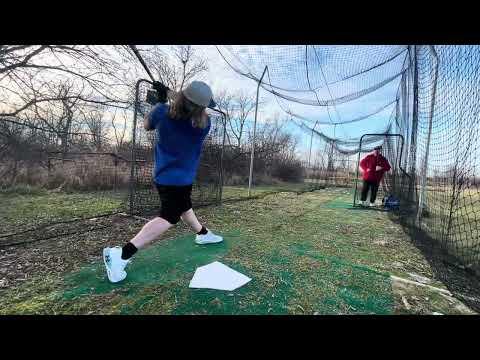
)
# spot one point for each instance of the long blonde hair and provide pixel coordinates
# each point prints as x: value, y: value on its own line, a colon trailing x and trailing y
x: 182, y: 108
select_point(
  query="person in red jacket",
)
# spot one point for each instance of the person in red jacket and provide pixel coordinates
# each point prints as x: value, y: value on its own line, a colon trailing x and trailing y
x: 373, y: 167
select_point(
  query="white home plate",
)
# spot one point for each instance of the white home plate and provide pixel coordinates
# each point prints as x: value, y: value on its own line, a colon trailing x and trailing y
x: 218, y: 276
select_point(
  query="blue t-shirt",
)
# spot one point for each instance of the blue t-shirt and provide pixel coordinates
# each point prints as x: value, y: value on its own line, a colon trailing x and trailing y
x: 177, y: 149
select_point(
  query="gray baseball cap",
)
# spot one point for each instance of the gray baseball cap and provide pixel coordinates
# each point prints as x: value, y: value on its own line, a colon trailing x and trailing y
x: 199, y: 93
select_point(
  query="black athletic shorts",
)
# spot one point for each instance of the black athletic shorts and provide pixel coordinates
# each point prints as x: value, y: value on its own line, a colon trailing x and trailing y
x: 175, y: 200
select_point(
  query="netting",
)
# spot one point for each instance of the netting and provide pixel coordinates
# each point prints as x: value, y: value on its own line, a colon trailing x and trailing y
x: 313, y: 92
x: 53, y: 182
x: 393, y: 150
x: 329, y: 95
x: 438, y: 115
x: 427, y: 94
x: 207, y: 188
x: 359, y: 118
x: 299, y: 68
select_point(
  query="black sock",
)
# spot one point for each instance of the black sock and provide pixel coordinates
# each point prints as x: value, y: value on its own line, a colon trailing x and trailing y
x: 203, y: 231
x: 128, y: 250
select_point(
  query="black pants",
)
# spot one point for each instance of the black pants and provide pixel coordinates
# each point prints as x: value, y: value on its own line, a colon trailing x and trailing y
x: 175, y: 200
x: 373, y: 186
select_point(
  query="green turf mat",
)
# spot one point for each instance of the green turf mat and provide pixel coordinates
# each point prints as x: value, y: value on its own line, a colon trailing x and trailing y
x: 158, y: 283
x: 156, y: 265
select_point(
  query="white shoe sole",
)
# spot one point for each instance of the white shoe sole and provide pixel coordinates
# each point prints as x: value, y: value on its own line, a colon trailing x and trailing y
x: 199, y: 242
x: 109, y: 272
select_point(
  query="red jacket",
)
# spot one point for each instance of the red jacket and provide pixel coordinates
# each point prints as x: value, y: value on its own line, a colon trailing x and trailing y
x: 371, y: 162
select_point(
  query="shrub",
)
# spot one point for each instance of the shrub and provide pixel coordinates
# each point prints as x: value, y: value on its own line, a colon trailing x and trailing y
x: 22, y: 189
x: 290, y: 171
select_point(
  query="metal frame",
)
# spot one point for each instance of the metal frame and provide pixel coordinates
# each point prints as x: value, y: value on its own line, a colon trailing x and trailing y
x: 358, y: 159
x: 134, y: 133
x: 412, y: 188
x: 252, y: 155
x: 311, y: 142
x: 423, y: 178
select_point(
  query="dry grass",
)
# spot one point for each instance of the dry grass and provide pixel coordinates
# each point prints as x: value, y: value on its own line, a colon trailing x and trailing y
x: 80, y: 174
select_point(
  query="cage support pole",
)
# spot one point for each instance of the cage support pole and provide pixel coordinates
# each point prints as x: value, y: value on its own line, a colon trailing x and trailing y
x: 412, y: 189
x: 222, y: 151
x: 134, y: 132
x: 254, y: 134
x: 357, y: 171
x: 311, y: 140
x: 423, y: 179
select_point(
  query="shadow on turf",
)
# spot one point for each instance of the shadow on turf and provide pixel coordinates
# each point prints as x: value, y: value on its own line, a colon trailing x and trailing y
x: 463, y: 282
x: 376, y: 208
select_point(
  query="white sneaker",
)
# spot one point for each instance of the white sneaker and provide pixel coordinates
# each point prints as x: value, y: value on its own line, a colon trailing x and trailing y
x: 115, y: 265
x: 372, y: 204
x: 208, y: 238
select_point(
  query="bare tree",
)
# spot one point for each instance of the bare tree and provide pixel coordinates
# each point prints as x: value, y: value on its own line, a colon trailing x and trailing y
x: 238, y: 107
x: 225, y: 103
x: 245, y: 105
x: 330, y: 156
x: 57, y: 116
x: 26, y: 72
x: 177, y: 68
x: 94, y: 121
x: 119, y: 134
